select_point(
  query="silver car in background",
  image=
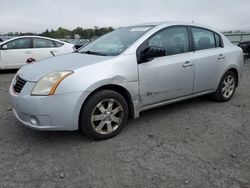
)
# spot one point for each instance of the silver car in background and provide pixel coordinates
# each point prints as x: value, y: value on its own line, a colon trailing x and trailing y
x: 127, y: 71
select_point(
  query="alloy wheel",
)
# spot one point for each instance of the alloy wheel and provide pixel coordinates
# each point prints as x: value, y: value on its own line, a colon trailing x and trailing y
x: 228, y: 86
x: 107, y: 116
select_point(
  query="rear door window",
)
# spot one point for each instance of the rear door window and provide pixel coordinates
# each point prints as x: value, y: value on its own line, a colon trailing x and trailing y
x: 203, y: 39
x: 44, y: 43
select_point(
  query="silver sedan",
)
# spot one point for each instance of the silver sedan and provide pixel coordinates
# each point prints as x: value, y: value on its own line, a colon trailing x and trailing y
x: 123, y: 73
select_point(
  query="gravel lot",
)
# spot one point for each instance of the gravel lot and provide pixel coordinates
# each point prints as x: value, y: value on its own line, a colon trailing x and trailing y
x: 195, y: 143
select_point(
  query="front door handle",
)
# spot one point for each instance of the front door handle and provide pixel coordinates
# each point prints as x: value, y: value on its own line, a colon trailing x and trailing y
x: 187, y: 64
x: 220, y: 57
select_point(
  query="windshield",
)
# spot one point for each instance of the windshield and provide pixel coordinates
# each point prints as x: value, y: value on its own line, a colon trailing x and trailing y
x: 116, y: 42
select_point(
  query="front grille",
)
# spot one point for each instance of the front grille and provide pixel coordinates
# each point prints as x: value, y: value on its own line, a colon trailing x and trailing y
x: 18, y: 84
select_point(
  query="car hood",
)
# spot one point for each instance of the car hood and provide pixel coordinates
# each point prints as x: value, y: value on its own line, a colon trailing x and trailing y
x: 33, y: 72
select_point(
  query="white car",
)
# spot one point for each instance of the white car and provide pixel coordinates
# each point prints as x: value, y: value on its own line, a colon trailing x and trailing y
x: 19, y: 51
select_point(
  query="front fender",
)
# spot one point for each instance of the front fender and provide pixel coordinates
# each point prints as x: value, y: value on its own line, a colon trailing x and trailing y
x: 131, y: 87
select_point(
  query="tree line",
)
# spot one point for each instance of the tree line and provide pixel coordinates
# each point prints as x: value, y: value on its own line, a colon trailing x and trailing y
x: 88, y: 33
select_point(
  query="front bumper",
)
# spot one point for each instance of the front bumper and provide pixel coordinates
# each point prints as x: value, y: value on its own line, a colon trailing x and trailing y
x: 55, y: 112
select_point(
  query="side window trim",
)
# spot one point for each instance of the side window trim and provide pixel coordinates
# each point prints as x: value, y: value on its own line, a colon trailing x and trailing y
x: 31, y: 46
x: 138, y: 51
x: 221, y: 45
x: 191, y: 39
x: 32, y: 43
x: 215, y: 41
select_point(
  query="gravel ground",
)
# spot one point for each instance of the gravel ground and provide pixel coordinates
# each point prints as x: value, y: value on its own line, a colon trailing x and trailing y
x: 195, y: 143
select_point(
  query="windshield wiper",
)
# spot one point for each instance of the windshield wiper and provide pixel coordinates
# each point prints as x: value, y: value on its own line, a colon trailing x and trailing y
x: 94, y: 53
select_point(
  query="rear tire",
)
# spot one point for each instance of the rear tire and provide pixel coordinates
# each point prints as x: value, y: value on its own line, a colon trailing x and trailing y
x: 226, y: 88
x: 104, y: 115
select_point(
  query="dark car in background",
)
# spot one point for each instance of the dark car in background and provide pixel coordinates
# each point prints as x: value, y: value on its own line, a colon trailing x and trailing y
x: 245, y: 47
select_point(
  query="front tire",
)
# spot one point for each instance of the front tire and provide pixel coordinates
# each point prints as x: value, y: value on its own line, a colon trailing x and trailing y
x: 226, y: 88
x: 104, y: 115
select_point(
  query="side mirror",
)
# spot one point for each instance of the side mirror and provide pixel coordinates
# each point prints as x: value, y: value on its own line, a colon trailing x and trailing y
x: 152, y: 52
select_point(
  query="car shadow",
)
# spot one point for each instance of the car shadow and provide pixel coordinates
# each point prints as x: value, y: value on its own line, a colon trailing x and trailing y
x: 8, y: 71
x: 54, y: 137
x: 189, y: 103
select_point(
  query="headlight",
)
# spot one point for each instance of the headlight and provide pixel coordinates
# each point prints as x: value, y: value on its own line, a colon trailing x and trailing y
x: 47, y: 85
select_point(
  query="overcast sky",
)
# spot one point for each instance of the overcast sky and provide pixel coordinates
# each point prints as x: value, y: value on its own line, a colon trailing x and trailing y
x: 38, y: 15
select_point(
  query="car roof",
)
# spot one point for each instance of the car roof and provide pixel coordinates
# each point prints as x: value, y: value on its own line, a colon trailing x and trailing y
x: 170, y: 23
x: 174, y: 23
x: 32, y: 36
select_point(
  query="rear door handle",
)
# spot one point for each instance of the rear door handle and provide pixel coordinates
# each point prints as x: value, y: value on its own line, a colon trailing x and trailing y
x: 221, y: 57
x: 187, y: 64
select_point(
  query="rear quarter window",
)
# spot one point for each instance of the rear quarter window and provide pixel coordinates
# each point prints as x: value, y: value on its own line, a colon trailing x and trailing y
x: 58, y: 44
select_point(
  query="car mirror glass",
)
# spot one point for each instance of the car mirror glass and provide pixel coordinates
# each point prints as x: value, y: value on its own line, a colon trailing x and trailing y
x: 152, y: 52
